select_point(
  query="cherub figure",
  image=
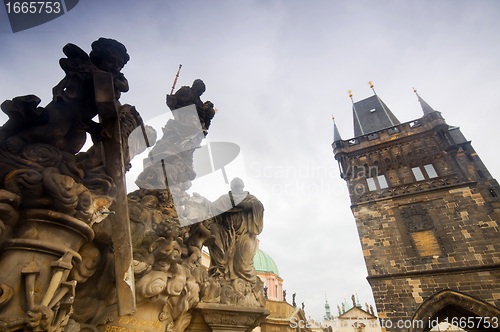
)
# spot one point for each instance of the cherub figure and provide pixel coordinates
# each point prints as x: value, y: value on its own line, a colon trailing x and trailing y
x: 63, y: 123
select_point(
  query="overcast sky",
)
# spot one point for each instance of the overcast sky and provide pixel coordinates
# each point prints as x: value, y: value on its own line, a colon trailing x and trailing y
x: 277, y: 71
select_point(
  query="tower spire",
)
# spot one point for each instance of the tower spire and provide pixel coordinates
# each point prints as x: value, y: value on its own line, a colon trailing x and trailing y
x: 328, y: 315
x: 381, y: 103
x: 371, y: 115
x: 356, y: 117
x: 336, y: 135
x: 426, y: 108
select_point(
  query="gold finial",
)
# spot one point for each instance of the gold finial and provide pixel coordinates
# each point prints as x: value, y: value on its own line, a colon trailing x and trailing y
x: 350, y: 94
x: 371, y: 84
x: 332, y: 119
x: 216, y: 110
x: 415, y: 90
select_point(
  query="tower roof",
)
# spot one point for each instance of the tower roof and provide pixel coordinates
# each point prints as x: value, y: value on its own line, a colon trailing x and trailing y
x: 328, y: 315
x: 336, y: 132
x: 426, y: 108
x: 371, y: 115
x: 264, y: 263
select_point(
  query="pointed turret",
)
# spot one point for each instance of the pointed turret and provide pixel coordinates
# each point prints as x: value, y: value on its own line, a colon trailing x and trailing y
x: 357, y: 301
x: 336, y: 133
x: 371, y: 115
x: 328, y: 315
x: 426, y: 108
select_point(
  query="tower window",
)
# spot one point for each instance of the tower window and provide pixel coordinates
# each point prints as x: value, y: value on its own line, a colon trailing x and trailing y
x: 480, y: 174
x: 377, y: 182
x: 431, y: 172
x: 371, y: 184
x: 382, y: 181
x: 417, y: 172
x: 493, y: 193
x: 469, y: 157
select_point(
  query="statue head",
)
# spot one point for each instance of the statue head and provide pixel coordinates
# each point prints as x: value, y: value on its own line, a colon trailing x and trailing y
x: 198, y: 87
x: 109, y: 55
x: 237, y: 185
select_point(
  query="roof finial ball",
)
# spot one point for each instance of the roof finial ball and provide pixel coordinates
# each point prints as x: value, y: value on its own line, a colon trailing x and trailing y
x: 350, y: 94
x: 415, y: 91
x: 371, y: 86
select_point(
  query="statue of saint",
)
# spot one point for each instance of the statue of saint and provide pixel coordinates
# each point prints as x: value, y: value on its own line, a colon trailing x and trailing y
x: 238, y: 221
x: 186, y: 96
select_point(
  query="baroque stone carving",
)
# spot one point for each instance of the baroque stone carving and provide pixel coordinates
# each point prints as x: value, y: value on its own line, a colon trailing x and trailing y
x: 62, y: 253
x: 51, y: 195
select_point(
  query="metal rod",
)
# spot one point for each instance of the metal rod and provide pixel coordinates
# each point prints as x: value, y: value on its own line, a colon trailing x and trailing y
x: 175, y: 80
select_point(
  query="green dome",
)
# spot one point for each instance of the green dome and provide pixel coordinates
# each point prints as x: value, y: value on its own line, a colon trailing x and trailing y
x: 264, y: 263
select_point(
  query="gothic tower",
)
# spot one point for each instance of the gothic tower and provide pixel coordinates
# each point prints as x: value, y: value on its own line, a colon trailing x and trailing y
x: 427, y: 212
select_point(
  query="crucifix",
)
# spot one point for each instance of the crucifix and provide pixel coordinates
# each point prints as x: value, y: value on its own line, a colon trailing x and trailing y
x: 107, y: 107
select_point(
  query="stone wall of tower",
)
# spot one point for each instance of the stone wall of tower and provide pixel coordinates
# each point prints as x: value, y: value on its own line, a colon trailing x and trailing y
x: 460, y: 251
x: 420, y: 237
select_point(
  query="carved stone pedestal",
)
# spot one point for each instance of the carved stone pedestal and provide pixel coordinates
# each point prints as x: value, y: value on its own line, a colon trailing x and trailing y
x: 214, y: 317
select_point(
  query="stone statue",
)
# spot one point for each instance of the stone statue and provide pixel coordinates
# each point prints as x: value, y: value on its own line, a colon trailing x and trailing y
x: 284, y: 295
x: 265, y: 292
x: 371, y: 310
x: 303, y: 306
x: 191, y: 95
x: 338, y: 308
x: 238, y: 219
x: 78, y: 253
x: 55, y: 200
x: 293, y: 299
x: 353, y: 298
x: 235, y: 232
x: 63, y: 123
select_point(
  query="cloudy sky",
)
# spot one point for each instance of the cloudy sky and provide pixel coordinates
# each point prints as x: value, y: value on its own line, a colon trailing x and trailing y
x: 277, y: 71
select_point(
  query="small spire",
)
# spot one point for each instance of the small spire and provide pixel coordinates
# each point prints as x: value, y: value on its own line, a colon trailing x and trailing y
x: 426, y: 108
x: 336, y: 137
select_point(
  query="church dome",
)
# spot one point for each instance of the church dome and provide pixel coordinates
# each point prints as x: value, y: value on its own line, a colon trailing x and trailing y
x: 264, y: 263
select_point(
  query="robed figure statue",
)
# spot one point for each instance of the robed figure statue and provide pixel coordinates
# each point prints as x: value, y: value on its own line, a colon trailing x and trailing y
x: 235, y: 228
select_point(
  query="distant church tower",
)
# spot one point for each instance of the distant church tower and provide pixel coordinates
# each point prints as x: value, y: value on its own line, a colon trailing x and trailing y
x: 328, y: 315
x: 427, y: 212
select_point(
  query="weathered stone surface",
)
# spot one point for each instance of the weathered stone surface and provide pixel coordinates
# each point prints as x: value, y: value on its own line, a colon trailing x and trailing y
x: 52, y: 197
x: 423, y: 237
